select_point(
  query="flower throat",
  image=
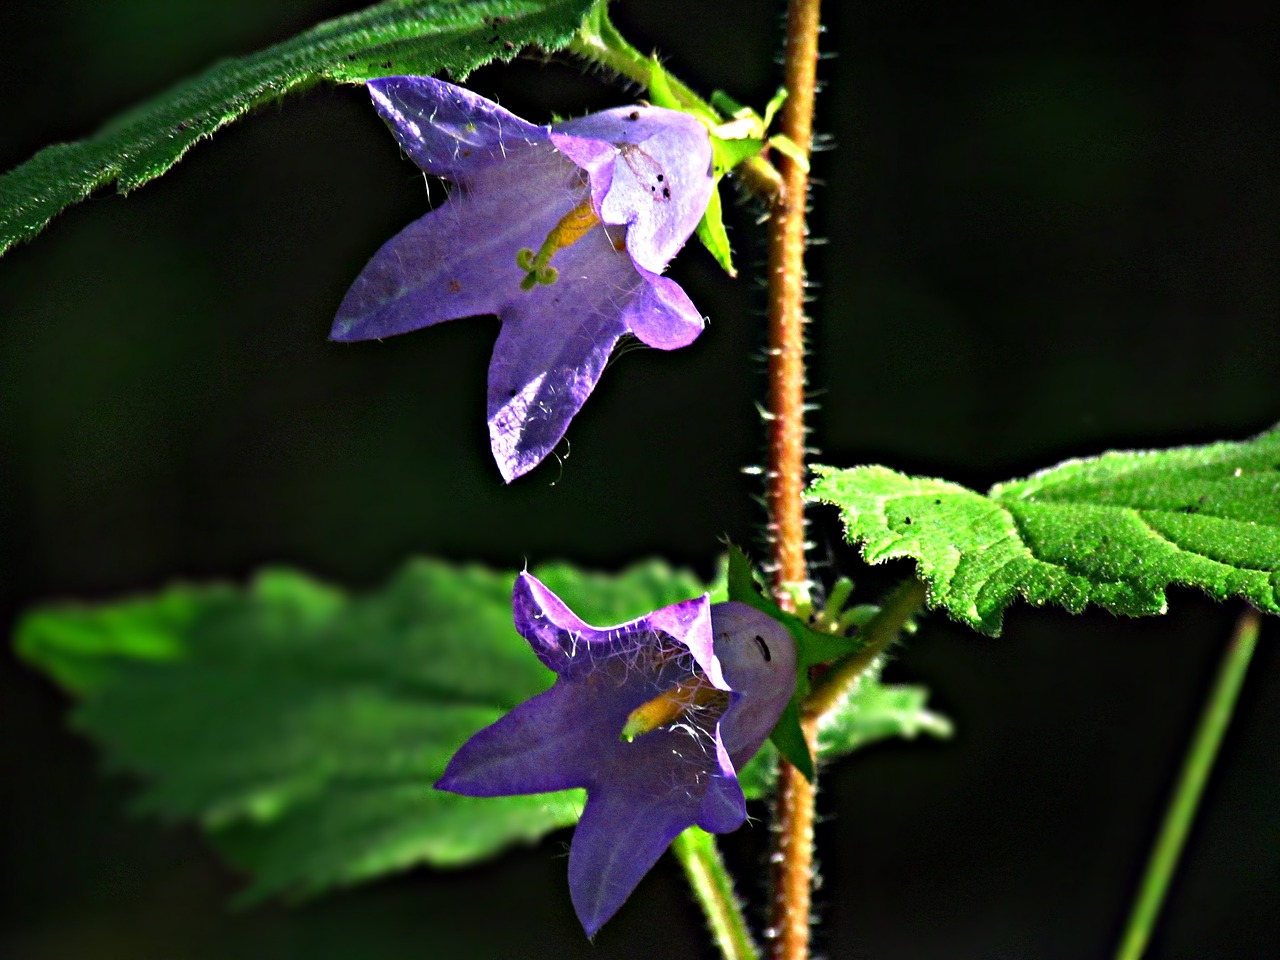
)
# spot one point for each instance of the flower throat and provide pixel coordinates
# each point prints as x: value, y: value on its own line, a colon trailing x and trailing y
x: 573, y: 226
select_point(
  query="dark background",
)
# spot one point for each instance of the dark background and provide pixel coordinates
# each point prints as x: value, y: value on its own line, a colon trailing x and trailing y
x: 1051, y: 229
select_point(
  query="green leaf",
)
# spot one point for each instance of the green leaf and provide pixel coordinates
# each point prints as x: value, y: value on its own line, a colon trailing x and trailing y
x: 393, y: 37
x: 713, y: 235
x: 1115, y: 530
x: 872, y: 711
x: 304, y: 729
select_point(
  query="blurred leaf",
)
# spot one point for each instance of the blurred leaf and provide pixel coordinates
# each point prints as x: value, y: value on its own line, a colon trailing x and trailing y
x: 79, y: 646
x: 1114, y: 530
x: 393, y: 37
x: 305, y: 729
x: 870, y: 712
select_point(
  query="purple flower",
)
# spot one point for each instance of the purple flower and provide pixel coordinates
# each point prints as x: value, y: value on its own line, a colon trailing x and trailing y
x: 652, y: 717
x: 561, y: 230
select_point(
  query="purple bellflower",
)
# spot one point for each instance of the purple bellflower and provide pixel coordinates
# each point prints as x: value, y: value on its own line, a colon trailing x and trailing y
x: 653, y: 717
x: 561, y: 230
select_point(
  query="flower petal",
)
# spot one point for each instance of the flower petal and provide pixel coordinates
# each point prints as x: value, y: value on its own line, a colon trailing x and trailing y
x: 460, y: 259
x: 552, y: 629
x: 447, y: 130
x: 534, y: 748
x: 758, y: 657
x: 551, y: 351
x: 661, y: 314
x: 614, y: 846
x: 659, y: 182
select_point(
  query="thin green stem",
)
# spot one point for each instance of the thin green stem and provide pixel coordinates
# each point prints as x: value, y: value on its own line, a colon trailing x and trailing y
x: 697, y: 852
x: 878, y: 635
x: 1186, y: 795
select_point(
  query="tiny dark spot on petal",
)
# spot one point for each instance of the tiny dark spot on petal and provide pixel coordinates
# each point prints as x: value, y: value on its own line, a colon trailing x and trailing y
x: 666, y: 193
x: 764, y: 648
x: 633, y: 115
x: 455, y: 286
x: 512, y: 393
x: 661, y: 178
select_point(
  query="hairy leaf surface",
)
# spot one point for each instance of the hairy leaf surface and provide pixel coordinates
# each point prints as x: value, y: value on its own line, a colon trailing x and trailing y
x: 1115, y: 530
x: 393, y: 37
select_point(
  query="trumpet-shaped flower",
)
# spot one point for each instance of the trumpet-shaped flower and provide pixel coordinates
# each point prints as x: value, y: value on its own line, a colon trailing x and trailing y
x: 653, y: 717
x: 561, y: 230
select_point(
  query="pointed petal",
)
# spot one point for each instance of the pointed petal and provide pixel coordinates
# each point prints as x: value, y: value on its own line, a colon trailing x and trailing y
x: 614, y: 846
x: 552, y: 629
x: 660, y: 182
x: 662, y: 315
x: 447, y: 130
x: 460, y: 259
x: 537, y: 747
x: 551, y: 351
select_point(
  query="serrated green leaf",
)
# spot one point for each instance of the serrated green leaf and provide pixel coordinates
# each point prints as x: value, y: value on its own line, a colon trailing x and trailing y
x: 872, y: 711
x: 1115, y: 530
x: 393, y: 37
x: 304, y: 729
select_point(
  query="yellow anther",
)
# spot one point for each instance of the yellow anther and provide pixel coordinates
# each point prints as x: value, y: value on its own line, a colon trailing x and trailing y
x: 573, y: 226
x: 670, y: 706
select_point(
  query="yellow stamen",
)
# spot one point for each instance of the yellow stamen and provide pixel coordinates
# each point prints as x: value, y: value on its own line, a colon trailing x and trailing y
x: 669, y: 706
x: 573, y: 226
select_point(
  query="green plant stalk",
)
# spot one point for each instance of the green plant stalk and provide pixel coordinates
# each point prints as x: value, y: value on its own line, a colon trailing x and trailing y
x: 878, y: 635
x: 599, y: 41
x: 697, y: 852
x: 1186, y: 795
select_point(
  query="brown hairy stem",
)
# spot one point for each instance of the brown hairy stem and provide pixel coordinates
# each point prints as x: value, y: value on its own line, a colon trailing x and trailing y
x: 794, y: 809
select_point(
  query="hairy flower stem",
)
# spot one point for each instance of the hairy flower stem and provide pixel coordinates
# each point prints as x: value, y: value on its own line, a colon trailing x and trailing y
x: 794, y: 809
x: 697, y: 852
x: 1186, y: 795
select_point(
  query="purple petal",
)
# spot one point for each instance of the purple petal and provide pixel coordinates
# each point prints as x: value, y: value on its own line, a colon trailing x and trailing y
x: 662, y: 315
x: 659, y: 182
x: 535, y: 748
x: 460, y: 259
x: 724, y: 807
x: 543, y: 619
x: 758, y: 657
x: 447, y: 130
x: 613, y: 847
x: 554, y: 344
